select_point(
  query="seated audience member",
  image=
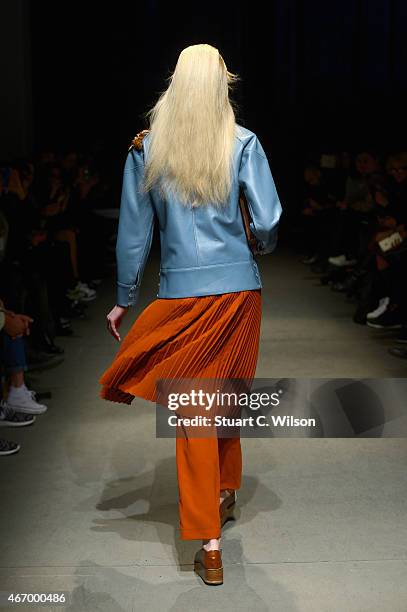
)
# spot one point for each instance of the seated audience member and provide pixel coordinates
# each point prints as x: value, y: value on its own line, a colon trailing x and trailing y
x: 90, y: 194
x: 54, y: 193
x: 22, y: 281
x: 354, y: 212
x: 391, y: 249
x: 51, y: 242
x: 14, y: 326
x: 13, y: 357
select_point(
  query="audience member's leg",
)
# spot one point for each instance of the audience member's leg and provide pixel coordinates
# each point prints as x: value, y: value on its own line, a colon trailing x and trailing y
x: 69, y: 236
x: 19, y: 397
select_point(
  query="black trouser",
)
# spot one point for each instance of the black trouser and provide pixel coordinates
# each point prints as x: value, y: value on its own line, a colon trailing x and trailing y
x: 397, y: 283
x: 349, y: 234
x: 12, y: 288
x: 48, y: 265
x: 92, y: 239
x: 317, y: 232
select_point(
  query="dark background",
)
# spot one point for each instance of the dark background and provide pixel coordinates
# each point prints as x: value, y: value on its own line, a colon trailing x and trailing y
x: 316, y: 75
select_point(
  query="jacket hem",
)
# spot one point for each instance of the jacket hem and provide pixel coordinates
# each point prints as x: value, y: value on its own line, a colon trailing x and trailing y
x: 209, y: 280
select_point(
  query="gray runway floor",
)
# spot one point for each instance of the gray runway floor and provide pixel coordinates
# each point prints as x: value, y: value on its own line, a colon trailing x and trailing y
x: 89, y: 504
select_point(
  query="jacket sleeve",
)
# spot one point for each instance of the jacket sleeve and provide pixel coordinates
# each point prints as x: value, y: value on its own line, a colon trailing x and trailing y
x: 258, y: 185
x: 135, y: 231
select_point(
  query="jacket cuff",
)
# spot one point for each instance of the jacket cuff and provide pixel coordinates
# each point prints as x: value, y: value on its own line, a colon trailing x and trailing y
x: 270, y: 245
x: 127, y: 295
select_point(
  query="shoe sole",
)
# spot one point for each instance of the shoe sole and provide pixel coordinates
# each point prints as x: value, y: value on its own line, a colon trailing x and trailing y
x: 11, y: 424
x: 344, y: 265
x: 28, y: 410
x: 11, y: 452
x: 378, y: 326
x: 212, y: 577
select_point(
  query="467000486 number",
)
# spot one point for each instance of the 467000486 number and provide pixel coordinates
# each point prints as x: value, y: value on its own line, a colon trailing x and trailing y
x: 59, y: 597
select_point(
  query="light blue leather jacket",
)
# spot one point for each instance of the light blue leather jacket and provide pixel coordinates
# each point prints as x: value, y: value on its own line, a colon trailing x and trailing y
x: 204, y: 250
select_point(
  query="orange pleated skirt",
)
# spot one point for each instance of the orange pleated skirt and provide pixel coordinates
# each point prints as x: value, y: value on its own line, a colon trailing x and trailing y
x: 213, y: 336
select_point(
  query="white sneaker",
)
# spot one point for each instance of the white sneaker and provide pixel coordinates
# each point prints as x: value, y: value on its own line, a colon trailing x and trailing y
x: 88, y: 293
x: 22, y: 399
x: 382, y: 307
x: 340, y: 260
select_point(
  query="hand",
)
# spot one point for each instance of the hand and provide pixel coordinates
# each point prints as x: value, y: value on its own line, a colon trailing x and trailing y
x: 114, y: 319
x: 396, y: 240
x: 38, y: 236
x: 389, y: 222
x: 17, y: 325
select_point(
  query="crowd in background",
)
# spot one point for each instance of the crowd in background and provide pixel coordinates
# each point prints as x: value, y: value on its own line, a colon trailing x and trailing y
x: 55, y: 247
x: 354, y: 222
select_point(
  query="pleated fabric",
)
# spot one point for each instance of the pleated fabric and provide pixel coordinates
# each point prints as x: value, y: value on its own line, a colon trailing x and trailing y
x: 213, y: 336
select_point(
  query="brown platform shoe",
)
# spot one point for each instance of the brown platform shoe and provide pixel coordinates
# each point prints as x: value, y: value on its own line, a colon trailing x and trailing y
x: 226, y: 508
x: 208, y: 565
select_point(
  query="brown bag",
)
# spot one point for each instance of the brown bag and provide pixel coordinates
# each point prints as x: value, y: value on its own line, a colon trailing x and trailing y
x: 251, y: 238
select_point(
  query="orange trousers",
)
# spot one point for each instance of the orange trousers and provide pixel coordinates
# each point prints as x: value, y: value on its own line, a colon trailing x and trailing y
x: 205, y: 466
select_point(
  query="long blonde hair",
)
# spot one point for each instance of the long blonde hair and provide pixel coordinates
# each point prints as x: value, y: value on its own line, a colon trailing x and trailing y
x: 193, y: 129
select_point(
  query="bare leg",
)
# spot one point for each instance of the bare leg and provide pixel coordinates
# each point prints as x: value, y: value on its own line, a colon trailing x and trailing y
x: 17, y: 379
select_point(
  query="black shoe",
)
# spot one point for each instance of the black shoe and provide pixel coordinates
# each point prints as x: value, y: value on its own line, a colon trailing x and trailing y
x: 359, y: 317
x: 326, y: 279
x: 12, y: 418
x: 347, y: 285
x: 35, y: 357
x: 310, y: 259
x: 76, y: 310
x: 390, y: 319
x: 63, y: 327
x: 398, y: 351
x: 319, y: 267
x: 8, y: 448
x: 47, y: 345
x: 94, y: 283
x: 36, y: 360
x: 51, y: 349
x: 333, y: 276
x: 339, y: 287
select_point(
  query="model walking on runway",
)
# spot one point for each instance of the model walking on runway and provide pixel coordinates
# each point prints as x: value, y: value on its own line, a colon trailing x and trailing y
x: 184, y: 174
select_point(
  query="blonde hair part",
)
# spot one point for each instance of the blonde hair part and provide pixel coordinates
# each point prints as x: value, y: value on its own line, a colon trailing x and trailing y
x: 193, y: 130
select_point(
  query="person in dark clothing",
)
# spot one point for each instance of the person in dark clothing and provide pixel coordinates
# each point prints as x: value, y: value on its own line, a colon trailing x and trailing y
x: 316, y: 214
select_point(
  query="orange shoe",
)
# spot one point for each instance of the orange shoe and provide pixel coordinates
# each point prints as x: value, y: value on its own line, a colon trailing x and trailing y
x: 227, y: 507
x: 208, y: 565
